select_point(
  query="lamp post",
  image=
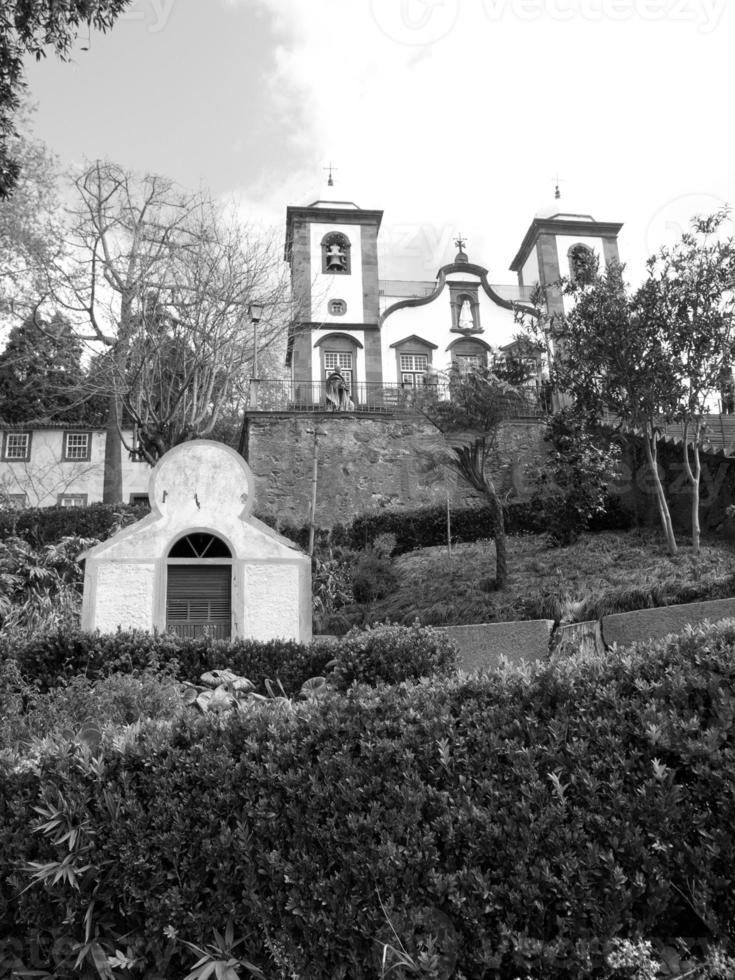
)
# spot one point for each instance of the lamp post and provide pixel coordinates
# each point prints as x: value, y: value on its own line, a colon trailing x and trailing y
x: 255, y: 312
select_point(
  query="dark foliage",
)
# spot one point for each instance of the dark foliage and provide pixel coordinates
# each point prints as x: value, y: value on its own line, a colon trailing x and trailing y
x: 42, y: 378
x: 528, y: 822
x: 385, y: 653
x: 30, y: 27
x: 392, y: 654
x: 41, y: 526
x: 572, y: 487
x: 372, y: 578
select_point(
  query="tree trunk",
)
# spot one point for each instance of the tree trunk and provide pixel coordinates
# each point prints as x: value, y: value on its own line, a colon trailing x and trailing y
x: 112, y: 488
x: 693, y: 476
x: 649, y: 444
x: 501, y: 543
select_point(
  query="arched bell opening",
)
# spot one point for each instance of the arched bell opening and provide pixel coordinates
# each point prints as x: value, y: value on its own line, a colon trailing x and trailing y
x: 199, y: 587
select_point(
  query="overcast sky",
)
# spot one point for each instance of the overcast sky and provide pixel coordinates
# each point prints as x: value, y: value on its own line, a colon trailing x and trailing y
x: 450, y: 115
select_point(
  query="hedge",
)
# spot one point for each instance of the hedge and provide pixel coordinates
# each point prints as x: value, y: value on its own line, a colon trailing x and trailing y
x: 427, y: 526
x: 420, y: 528
x: 380, y: 654
x: 40, y: 526
x: 529, y: 821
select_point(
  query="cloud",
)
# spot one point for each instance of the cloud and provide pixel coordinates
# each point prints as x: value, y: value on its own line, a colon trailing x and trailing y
x: 455, y: 116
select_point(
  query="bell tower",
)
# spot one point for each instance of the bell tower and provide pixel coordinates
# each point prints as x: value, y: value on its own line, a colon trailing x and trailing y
x: 332, y: 252
x: 559, y: 244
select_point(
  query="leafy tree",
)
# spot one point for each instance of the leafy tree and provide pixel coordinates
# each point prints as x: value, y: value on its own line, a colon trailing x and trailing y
x: 31, y: 27
x: 612, y: 354
x: 41, y: 375
x: 30, y: 227
x: 573, y: 486
x: 689, y: 293
x: 478, y: 403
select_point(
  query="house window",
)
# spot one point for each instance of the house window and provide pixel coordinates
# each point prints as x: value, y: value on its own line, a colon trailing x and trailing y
x: 139, y: 500
x: 17, y: 446
x: 72, y: 500
x: 339, y: 360
x: 336, y: 254
x: 337, y: 307
x: 413, y: 368
x: 77, y: 446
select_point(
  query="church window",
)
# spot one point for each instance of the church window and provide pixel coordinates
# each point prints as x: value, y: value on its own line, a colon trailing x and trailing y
x: 413, y: 368
x: 336, y: 254
x: 337, y: 307
x: 582, y: 264
x: 17, y: 446
x: 469, y: 355
x: 467, y: 363
x: 339, y: 360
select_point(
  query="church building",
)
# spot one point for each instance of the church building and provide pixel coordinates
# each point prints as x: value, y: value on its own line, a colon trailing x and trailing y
x: 392, y: 335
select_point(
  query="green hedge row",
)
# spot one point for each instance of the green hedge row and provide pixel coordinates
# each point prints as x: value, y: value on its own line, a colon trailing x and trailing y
x: 526, y: 821
x: 41, y: 526
x: 420, y: 528
x: 427, y: 526
x: 379, y: 654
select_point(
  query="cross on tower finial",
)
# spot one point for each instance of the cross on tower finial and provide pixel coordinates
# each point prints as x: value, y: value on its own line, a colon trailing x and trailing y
x: 460, y: 242
x: 557, y: 192
x: 330, y: 169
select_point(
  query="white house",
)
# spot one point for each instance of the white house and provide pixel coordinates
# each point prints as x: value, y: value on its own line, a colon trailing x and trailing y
x: 46, y: 465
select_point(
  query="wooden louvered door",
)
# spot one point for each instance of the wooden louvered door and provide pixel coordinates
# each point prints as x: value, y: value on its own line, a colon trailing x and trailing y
x: 199, y: 600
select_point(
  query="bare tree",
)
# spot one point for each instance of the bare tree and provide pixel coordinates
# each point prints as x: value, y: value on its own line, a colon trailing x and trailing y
x: 159, y: 282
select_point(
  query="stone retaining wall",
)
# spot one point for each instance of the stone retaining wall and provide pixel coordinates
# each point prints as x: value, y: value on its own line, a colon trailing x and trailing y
x: 483, y: 645
x: 367, y: 463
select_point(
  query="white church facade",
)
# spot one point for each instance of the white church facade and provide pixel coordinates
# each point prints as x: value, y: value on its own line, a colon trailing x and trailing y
x: 392, y: 335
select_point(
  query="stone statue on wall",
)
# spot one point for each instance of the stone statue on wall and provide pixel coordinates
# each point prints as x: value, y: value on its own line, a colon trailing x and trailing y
x: 338, y: 393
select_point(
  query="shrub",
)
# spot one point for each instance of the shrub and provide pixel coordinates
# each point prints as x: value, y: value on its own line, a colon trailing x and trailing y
x: 50, y: 659
x: 572, y: 486
x: 555, y: 823
x: 41, y: 526
x: 372, y: 578
x: 392, y: 654
x: 118, y: 699
x: 41, y: 588
x: 385, y: 653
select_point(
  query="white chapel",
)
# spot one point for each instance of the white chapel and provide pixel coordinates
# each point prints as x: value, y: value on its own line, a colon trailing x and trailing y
x: 383, y: 333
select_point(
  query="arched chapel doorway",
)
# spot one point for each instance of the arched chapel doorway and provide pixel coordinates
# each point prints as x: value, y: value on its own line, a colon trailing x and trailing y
x: 199, y: 587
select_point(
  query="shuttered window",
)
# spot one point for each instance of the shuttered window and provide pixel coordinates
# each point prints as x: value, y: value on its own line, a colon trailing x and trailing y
x: 199, y: 600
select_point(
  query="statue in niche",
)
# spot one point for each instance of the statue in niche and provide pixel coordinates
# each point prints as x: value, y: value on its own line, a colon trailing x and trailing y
x: 466, y: 320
